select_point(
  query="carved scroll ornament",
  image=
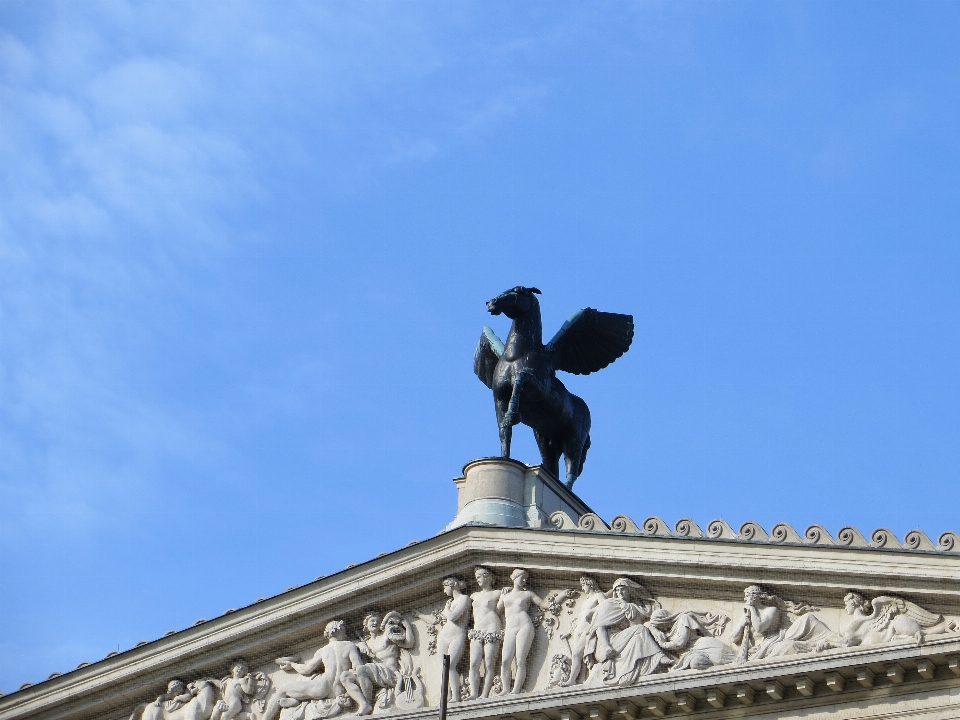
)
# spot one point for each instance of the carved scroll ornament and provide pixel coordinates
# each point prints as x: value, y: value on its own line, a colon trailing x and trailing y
x: 753, y: 532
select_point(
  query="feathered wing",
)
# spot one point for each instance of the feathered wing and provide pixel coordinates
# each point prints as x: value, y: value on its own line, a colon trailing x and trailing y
x: 887, y: 607
x: 898, y: 606
x: 590, y: 340
x: 487, y: 356
x: 925, y: 618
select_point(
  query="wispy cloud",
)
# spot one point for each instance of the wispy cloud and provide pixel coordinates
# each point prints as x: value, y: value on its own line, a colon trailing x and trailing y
x: 113, y: 179
x: 138, y: 141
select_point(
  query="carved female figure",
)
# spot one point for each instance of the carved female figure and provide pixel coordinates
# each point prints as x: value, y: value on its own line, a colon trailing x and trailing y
x: 518, y: 628
x: 452, y: 637
x: 692, y: 638
x: 675, y: 632
x: 621, y: 646
x: 579, y: 634
x: 486, y: 635
x: 761, y: 617
x: 861, y: 612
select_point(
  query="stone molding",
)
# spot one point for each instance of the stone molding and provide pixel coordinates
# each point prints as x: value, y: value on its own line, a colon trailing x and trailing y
x: 782, y: 533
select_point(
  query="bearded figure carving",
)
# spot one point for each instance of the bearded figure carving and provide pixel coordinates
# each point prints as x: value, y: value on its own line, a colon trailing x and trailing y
x: 388, y: 667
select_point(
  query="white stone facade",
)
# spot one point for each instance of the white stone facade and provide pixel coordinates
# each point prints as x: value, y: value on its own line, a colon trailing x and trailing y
x: 594, y: 621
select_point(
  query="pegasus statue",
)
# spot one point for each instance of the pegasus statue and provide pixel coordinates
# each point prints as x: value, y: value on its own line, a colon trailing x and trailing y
x: 523, y: 374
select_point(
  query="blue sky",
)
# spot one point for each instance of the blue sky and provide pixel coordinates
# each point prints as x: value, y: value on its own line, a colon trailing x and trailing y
x: 246, y: 249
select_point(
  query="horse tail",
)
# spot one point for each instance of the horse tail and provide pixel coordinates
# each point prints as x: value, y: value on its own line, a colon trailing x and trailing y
x: 138, y: 712
x: 583, y: 456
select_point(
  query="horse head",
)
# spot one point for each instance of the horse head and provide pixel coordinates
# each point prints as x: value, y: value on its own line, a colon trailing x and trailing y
x: 515, y: 302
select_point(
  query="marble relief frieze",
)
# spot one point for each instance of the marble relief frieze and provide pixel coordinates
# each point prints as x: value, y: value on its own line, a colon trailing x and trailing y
x: 507, y: 634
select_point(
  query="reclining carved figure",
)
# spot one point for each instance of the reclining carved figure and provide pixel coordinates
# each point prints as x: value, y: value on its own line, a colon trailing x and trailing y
x: 321, y: 676
x: 886, y: 619
x: 765, y: 629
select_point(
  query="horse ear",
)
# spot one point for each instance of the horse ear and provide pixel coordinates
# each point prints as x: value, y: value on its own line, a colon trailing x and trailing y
x: 535, y: 291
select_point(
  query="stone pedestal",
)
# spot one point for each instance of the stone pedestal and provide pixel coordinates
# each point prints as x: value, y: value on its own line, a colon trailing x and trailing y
x: 508, y: 493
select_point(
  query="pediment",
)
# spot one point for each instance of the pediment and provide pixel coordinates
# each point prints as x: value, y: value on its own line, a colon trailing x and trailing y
x: 698, y: 582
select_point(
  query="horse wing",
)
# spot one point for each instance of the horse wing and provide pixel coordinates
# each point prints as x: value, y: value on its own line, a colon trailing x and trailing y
x: 487, y: 356
x: 590, y: 340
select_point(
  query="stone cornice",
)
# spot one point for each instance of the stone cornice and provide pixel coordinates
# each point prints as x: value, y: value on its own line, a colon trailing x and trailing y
x: 780, y: 534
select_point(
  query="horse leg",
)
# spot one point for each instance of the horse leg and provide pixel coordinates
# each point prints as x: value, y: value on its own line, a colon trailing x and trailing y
x: 573, y: 464
x: 506, y: 430
x: 576, y: 440
x: 573, y: 454
x: 549, y: 453
x: 511, y: 416
x: 513, y: 408
x: 575, y: 458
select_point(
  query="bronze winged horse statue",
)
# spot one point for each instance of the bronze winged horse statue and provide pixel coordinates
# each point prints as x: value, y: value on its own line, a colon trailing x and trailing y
x: 523, y: 374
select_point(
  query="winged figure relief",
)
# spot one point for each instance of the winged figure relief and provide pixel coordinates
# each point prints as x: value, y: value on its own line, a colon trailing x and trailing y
x: 522, y: 374
x: 895, y: 616
x: 888, y: 618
